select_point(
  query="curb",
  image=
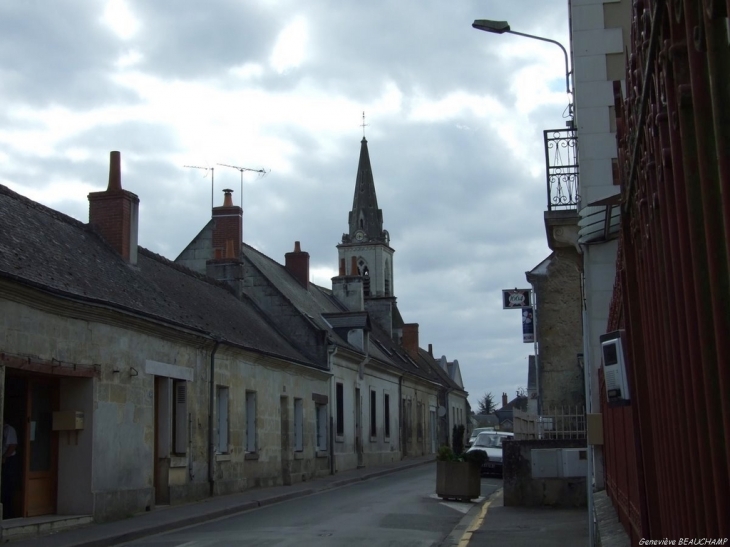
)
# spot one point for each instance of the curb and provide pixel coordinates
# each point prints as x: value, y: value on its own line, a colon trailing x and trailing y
x: 456, y: 535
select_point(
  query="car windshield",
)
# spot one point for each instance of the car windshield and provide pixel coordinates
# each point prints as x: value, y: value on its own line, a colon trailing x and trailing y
x: 489, y: 441
x: 477, y: 432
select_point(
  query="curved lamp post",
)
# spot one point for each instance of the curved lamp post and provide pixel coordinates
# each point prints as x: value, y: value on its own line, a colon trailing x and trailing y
x: 502, y: 27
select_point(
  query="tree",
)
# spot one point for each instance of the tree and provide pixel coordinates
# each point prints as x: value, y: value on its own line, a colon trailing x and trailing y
x: 486, y: 404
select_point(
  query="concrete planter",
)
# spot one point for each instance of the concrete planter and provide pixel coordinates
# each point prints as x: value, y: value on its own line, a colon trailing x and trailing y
x: 458, y: 480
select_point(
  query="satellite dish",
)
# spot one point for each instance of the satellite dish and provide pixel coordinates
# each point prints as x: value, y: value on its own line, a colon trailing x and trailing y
x: 442, y: 411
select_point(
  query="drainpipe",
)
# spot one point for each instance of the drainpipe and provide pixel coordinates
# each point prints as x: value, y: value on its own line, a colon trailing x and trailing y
x: 211, y: 421
x: 400, y: 417
x: 587, y: 379
x: 331, y: 352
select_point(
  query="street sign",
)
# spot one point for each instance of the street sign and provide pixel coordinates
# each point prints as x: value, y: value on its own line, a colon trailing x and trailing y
x: 514, y: 299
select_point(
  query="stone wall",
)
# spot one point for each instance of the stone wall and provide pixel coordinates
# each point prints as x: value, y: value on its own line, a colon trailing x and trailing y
x: 559, y: 330
x: 521, y: 489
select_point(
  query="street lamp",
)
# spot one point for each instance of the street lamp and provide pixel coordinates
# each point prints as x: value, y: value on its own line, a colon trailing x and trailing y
x: 501, y: 27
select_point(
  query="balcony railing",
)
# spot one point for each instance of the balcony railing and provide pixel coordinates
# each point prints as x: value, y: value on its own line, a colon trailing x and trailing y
x: 561, y: 165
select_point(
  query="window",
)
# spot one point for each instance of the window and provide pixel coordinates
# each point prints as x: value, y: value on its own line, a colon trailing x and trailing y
x: 340, y: 396
x: 179, y: 417
x: 321, y: 417
x: 222, y: 397
x: 298, y: 425
x: 386, y: 414
x: 251, y: 421
x: 366, y: 282
x: 373, y: 414
x: 419, y: 418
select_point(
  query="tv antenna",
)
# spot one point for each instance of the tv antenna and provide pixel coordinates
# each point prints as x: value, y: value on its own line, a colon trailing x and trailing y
x: 242, y: 169
x: 212, y: 174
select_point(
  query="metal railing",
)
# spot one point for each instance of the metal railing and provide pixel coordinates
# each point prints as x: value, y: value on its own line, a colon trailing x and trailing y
x: 561, y: 166
x: 554, y: 423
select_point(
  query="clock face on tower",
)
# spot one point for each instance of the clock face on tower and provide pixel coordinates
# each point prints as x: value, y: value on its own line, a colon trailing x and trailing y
x: 359, y: 235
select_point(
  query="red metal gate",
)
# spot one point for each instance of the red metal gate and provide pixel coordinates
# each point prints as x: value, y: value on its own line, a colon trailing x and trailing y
x: 667, y: 455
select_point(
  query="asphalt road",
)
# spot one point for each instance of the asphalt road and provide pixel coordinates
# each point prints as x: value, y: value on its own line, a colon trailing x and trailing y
x: 400, y: 509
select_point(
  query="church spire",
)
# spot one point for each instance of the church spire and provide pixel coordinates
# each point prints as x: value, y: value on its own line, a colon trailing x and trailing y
x: 366, y: 220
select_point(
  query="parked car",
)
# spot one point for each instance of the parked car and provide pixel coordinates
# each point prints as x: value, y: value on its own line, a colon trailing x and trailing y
x: 476, y: 432
x: 490, y: 442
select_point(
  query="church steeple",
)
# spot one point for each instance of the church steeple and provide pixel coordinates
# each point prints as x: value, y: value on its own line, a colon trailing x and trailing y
x: 365, y: 220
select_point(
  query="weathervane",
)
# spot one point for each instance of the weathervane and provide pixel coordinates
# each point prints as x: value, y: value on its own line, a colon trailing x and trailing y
x: 363, y: 124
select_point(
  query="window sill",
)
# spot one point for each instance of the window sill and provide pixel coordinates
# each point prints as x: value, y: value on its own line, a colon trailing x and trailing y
x: 251, y: 456
x: 222, y: 457
x: 322, y: 454
x: 340, y: 439
x: 373, y: 439
x: 298, y: 455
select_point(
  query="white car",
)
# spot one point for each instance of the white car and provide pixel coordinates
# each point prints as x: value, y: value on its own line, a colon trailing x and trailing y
x: 490, y: 442
x: 477, y: 431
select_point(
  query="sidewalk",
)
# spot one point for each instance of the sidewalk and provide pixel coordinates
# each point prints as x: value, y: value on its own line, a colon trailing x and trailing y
x: 528, y: 526
x: 178, y: 516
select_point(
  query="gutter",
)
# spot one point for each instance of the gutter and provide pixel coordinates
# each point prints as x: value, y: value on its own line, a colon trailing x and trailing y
x: 331, y: 352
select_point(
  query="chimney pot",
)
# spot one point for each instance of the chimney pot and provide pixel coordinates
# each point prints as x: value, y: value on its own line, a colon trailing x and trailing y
x: 297, y: 247
x: 228, y: 198
x: 430, y: 350
x: 115, y: 172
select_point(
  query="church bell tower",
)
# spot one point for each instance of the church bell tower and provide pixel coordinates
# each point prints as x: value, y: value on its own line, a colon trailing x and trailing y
x: 365, y: 250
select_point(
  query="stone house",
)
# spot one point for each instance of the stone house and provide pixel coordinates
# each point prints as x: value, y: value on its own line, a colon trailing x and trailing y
x: 135, y: 381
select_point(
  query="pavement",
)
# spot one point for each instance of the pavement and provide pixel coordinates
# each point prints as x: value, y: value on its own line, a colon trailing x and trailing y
x: 494, y: 525
x: 487, y: 524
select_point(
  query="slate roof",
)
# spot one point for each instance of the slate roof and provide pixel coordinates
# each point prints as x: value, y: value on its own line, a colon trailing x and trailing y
x: 50, y: 251
x: 318, y: 304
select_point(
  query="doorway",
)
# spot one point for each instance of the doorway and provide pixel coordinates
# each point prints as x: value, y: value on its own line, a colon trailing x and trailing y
x: 29, y: 404
x: 432, y: 413
x: 285, y: 449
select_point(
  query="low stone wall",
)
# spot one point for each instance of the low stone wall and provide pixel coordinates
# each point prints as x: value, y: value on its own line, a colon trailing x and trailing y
x: 521, y: 489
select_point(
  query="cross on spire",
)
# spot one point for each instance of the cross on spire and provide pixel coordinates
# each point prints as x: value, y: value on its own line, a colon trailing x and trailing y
x: 363, y: 124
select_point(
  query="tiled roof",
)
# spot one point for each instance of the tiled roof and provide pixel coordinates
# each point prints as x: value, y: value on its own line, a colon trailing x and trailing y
x: 50, y: 251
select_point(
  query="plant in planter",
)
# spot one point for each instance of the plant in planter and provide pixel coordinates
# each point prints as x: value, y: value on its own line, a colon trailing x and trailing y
x: 458, y: 474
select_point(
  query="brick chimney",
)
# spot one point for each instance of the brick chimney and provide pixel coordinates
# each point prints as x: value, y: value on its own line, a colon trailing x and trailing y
x: 504, y: 399
x: 297, y: 263
x: 430, y: 350
x: 410, y: 338
x: 115, y: 213
x: 227, y: 228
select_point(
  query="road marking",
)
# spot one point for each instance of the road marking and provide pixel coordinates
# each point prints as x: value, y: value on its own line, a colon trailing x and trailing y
x: 475, y: 525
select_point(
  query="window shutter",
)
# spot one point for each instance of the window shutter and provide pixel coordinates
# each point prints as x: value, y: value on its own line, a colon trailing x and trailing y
x: 181, y: 417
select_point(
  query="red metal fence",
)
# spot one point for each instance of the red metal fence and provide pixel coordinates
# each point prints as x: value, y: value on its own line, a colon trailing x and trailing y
x: 667, y: 455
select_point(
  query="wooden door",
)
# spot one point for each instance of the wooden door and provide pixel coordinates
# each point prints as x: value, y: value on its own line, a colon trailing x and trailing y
x: 41, y: 448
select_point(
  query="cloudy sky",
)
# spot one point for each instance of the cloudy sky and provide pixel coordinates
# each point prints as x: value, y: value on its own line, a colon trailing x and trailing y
x: 455, y: 119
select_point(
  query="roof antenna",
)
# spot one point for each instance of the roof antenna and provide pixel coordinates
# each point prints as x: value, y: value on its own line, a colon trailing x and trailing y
x: 363, y: 124
x: 212, y: 175
x: 262, y: 172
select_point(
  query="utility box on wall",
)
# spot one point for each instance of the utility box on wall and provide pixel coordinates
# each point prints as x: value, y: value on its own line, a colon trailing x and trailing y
x: 614, y: 367
x: 68, y: 420
x: 559, y: 462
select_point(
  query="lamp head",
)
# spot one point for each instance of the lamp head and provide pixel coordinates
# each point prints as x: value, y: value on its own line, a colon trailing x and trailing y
x: 495, y: 27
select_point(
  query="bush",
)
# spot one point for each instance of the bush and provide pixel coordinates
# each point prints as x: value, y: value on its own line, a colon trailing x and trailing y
x: 445, y: 454
x: 457, y: 440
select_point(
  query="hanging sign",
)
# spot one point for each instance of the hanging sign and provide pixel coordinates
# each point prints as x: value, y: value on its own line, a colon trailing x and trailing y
x: 528, y: 326
x: 515, y: 298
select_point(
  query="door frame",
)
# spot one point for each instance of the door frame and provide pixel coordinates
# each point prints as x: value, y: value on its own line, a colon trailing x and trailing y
x: 52, y: 473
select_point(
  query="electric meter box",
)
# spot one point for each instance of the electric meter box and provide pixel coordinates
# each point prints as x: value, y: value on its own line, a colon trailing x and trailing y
x: 614, y: 367
x: 68, y: 420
